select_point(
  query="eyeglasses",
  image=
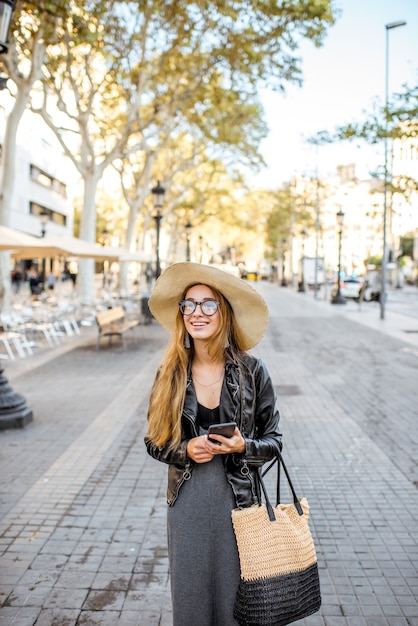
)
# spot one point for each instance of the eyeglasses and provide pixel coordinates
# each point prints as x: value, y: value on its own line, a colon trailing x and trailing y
x: 208, y: 307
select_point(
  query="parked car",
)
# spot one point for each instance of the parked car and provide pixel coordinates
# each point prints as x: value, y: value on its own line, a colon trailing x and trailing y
x: 351, y: 288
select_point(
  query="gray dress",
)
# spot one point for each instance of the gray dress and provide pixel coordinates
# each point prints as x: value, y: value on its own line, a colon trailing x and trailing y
x: 203, y: 555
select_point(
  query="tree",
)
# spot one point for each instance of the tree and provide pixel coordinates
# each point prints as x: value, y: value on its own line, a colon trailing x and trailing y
x: 170, y: 63
x: 33, y: 26
x: 291, y: 207
x: 121, y: 71
x: 399, y: 121
x: 187, y: 160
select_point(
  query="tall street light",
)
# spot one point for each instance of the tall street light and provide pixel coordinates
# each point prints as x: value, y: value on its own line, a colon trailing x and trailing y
x: 6, y: 9
x: 388, y: 27
x: 188, y: 229
x: 301, y: 288
x: 339, y: 298
x: 158, y: 195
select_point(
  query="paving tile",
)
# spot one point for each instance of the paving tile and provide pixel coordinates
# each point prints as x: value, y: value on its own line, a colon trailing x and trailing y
x: 18, y: 616
x: 103, y: 618
x: 58, y: 617
x: 132, y: 618
x: 64, y: 598
x: 83, y: 529
x: 111, y: 581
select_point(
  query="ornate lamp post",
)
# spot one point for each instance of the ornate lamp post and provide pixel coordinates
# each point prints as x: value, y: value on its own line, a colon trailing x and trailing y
x: 158, y: 195
x: 6, y: 9
x: 13, y: 410
x: 44, y: 215
x: 104, y: 242
x: 188, y: 229
x: 301, y: 288
x: 339, y: 298
x: 388, y: 27
x: 284, y: 248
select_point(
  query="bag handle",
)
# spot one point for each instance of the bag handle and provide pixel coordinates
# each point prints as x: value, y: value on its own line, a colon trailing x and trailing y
x: 260, y: 475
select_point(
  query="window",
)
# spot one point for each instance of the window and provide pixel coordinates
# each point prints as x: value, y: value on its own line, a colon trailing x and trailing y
x: 53, y: 216
x: 46, y: 180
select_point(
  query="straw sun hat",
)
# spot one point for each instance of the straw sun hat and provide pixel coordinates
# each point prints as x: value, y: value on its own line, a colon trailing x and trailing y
x: 250, y: 309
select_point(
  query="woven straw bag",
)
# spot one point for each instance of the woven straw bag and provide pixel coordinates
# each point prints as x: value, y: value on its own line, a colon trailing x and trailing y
x: 279, y: 581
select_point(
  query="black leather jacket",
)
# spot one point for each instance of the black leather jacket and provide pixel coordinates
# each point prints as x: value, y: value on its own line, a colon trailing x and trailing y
x: 248, y: 398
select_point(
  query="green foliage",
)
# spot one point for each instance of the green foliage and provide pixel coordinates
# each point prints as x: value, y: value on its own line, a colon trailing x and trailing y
x: 400, y: 120
x: 375, y: 260
x: 407, y: 246
x: 291, y: 211
x: 404, y: 110
x: 246, y: 40
x: 122, y: 77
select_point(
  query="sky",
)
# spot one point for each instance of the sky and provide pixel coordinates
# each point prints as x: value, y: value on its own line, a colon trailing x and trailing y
x: 341, y: 80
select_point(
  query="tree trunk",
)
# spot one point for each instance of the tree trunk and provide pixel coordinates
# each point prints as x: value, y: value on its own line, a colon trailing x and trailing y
x: 85, y: 279
x: 7, y: 186
x: 135, y: 206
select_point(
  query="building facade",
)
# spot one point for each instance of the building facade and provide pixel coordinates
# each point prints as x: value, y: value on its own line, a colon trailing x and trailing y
x: 362, y: 202
x: 45, y: 177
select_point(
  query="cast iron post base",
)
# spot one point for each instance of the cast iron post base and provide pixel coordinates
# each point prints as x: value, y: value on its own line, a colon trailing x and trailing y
x: 13, y: 410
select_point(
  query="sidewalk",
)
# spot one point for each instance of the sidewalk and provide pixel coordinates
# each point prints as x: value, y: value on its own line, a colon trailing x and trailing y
x: 401, y: 319
x: 83, y: 506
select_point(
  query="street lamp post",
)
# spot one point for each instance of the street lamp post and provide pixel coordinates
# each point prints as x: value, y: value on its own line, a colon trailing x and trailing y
x: 283, y: 282
x: 6, y: 9
x: 339, y: 298
x: 13, y: 410
x: 188, y: 229
x: 158, y: 194
x: 104, y: 242
x: 44, y: 215
x: 301, y: 288
x: 388, y: 27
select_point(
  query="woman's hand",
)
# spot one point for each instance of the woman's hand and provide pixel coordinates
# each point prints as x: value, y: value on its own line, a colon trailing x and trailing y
x: 201, y: 450
x: 226, y: 445
x: 198, y: 451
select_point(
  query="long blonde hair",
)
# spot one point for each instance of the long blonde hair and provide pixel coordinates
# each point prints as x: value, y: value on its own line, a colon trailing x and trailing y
x: 169, y: 388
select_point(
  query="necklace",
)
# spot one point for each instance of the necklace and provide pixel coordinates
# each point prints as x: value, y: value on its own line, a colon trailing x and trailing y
x: 210, y: 384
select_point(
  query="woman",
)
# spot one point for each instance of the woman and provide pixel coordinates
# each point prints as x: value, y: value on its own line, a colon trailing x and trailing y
x: 207, y: 377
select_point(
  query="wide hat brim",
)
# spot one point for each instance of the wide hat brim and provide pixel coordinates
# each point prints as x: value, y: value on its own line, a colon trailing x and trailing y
x: 250, y: 309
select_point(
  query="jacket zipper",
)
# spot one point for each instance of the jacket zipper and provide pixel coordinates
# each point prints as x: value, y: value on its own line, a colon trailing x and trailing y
x: 187, y: 474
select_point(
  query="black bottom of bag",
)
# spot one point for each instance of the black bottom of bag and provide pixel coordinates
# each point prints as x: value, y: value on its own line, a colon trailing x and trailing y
x: 278, y: 601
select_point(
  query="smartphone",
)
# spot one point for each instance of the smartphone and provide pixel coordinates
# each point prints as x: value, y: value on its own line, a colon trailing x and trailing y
x: 226, y: 430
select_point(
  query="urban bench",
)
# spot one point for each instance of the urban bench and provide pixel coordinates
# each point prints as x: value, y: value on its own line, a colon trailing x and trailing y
x: 114, y: 322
